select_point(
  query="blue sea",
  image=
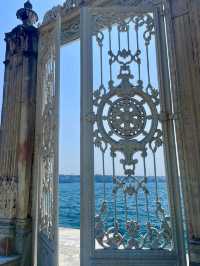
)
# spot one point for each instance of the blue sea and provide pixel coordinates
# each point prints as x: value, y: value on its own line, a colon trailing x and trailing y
x: 69, y: 199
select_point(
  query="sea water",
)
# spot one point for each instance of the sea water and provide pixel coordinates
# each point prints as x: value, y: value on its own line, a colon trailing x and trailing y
x: 69, y: 200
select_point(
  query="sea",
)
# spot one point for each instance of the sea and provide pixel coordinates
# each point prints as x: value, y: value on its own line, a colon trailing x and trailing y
x: 69, y: 200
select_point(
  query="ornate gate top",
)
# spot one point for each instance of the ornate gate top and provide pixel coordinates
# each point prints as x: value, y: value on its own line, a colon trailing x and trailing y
x: 72, y: 5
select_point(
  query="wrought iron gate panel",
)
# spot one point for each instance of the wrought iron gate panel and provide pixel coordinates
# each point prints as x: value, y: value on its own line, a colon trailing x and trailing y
x: 126, y: 117
x: 47, y: 118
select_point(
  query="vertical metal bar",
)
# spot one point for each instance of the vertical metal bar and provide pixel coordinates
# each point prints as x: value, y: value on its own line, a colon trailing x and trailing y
x: 119, y: 39
x: 146, y: 195
x: 104, y: 178
x: 110, y: 84
x: 115, y: 194
x: 101, y: 63
x: 128, y: 38
x: 126, y: 207
x: 136, y: 205
x: 155, y: 175
x: 87, y: 244
x: 169, y: 139
x: 138, y: 52
x: 148, y: 66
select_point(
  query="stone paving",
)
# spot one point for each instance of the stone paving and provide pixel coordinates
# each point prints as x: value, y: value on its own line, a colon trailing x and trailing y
x: 69, y: 247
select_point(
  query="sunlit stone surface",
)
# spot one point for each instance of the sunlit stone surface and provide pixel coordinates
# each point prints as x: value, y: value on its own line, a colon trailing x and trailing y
x: 69, y: 247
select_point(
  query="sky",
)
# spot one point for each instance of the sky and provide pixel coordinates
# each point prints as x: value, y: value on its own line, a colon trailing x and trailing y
x: 70, y: 91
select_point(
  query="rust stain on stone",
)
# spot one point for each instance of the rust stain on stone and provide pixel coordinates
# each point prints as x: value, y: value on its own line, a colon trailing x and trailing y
x: 24, y: 151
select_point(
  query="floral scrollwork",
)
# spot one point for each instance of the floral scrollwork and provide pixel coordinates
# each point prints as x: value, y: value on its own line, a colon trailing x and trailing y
x: 126, y: 121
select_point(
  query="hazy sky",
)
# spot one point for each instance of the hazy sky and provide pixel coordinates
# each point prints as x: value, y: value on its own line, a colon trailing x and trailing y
x: 70, y: 90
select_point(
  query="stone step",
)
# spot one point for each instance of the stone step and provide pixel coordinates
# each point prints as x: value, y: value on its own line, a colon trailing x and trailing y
x: 10, y: 261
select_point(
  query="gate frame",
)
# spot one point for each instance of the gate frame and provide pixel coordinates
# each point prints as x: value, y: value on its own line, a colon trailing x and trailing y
x: 40, y: 239
x: 88, y: 253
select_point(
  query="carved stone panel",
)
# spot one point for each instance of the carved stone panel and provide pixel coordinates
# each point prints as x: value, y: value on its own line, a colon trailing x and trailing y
x: 8, y: 197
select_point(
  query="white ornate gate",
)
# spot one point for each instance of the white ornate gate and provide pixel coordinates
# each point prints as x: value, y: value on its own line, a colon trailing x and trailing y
x: 127, y: 119
x: 46, y: 155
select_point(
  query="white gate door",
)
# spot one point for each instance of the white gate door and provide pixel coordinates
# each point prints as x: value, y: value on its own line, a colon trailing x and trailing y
x: 130, y: 196
x: 46, y: 155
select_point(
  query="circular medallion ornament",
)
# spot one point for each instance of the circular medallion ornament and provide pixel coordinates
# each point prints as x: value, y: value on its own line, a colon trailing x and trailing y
x: 127, y: 117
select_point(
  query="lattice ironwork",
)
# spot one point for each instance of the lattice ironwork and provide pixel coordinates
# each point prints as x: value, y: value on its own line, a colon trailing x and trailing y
x: 48, y: 137
x: 127, y: 120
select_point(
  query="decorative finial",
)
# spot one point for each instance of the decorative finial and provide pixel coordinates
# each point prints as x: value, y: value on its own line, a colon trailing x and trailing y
x: 28, y: 4
x: 27, y: 15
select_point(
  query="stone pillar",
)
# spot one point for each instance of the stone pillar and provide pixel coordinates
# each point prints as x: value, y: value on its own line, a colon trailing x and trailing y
x: 184, y: 34
x: 17, y: 136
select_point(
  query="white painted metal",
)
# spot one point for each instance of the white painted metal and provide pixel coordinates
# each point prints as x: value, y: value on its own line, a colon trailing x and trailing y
x: 127, y: 257
x: 46, y: 152
x: 87, y: 149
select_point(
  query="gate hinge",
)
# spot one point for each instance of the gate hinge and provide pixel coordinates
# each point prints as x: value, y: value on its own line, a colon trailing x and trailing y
x: 163, y: 12
x: 164, y: 116
x: 90, y: 117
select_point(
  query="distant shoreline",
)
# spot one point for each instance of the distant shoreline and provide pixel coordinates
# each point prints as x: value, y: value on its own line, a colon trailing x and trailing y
x: 101, y: 179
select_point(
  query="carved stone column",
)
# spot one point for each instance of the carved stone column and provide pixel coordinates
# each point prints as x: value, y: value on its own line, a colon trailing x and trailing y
x: 17, y: 136
x: 185, y: 49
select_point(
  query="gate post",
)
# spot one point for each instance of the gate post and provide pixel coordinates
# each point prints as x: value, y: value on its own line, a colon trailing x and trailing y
x: 17, y: 136
x: 184, y: 32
